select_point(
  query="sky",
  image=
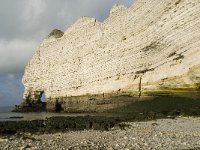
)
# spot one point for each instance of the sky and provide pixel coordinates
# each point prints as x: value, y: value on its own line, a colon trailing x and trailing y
x: 25, y: 23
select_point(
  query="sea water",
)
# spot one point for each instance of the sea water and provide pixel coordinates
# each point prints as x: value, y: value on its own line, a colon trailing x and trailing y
x: 6, y: 114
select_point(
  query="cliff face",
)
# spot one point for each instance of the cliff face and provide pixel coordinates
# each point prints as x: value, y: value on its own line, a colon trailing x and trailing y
x: 151, y: 48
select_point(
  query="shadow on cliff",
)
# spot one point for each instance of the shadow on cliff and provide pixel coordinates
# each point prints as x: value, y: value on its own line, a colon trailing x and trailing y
x: 164, y: 106
x: 58, y: 107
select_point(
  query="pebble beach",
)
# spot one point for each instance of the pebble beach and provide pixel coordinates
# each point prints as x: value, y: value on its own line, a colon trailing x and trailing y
x: 181, y: 133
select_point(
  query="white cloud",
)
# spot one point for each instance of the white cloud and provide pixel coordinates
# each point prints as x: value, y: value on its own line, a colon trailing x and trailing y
x: 33, y: 10
x: 15, y: 54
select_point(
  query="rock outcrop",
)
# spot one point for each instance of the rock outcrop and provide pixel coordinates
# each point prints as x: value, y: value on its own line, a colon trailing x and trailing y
x: 151, y: 48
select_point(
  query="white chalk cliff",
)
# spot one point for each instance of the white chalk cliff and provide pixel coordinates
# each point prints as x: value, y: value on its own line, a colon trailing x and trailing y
x: 150, y: 48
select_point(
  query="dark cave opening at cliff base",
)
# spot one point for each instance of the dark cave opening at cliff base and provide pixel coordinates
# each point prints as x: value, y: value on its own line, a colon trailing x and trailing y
x: 57, y: 107
x: 42, y: 100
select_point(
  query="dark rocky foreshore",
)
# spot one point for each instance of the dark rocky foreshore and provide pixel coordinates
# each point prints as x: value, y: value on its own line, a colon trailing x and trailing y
x: 60, y: 124
x: 63, y: 124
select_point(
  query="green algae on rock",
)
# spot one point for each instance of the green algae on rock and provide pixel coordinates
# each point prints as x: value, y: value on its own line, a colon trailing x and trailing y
x: 56, y: 33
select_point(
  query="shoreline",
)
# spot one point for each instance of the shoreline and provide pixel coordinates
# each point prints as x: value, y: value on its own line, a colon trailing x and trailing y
x: 158, y: 108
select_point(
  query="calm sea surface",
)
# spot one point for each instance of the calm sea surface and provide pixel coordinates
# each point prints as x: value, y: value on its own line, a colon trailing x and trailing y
x: 6, y: 114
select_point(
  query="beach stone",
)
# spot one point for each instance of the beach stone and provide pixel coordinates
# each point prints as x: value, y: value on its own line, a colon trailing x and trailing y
x: 110, y: 148
x: 3, y: 140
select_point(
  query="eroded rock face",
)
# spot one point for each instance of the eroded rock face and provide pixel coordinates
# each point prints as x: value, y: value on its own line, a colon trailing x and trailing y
x: 151, y: 48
